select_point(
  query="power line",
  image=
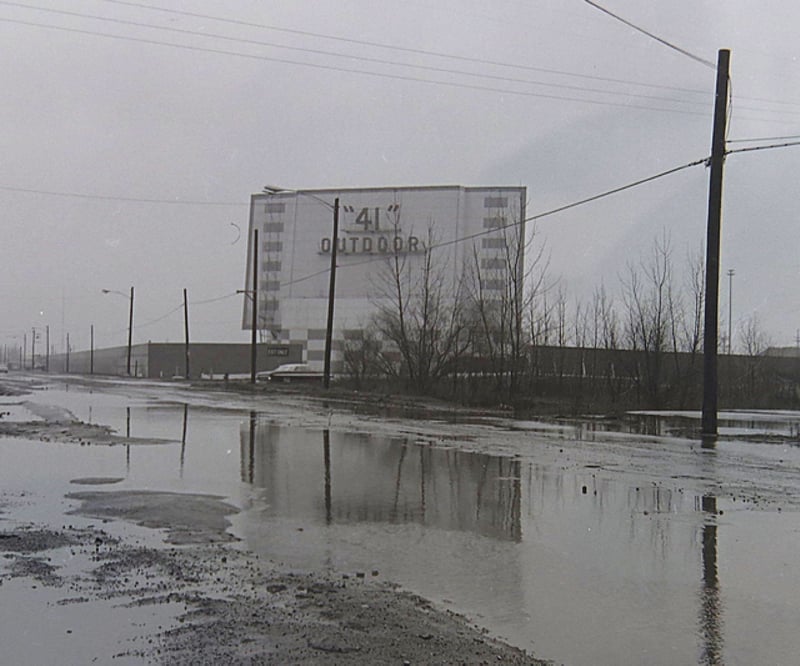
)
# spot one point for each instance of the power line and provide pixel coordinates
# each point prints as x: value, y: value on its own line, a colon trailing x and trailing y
x: 441, y: 70
x: 213, y: 300
x: 158, y: 319
x: 773, y: 146
x: 765, y: 138
x: 173, y: 311
x: 389, y: 47
x: 150, y: 322
x: 660, y: 40
x: 582, y: 202
x: 180, y: 307
x: 102, y: 197
x: 401, y: 49
x: 384, y: 75
x: 517, y: 223
x: 379, y: 61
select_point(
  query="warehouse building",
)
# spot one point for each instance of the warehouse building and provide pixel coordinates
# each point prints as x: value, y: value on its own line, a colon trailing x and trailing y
x: 164, y: 360
x: 463, y: 226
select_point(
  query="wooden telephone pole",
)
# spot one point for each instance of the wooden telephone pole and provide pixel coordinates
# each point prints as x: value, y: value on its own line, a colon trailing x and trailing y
x: 326, y: 374
x: 710, y: 342
x: 254, y: 325
x: 186, y: 331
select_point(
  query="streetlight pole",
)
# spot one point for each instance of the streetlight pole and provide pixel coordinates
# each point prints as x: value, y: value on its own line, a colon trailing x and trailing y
x: 271, y: 189
x: 186, y: 329
x: 130, y: 322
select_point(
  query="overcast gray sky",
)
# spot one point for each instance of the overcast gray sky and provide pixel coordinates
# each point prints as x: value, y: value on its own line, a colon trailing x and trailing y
x: 551, y: 94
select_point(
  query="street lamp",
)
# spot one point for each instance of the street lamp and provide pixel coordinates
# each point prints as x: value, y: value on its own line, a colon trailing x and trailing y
x: 271, y: 189
x: 130, y: 321
x: 254, y: 319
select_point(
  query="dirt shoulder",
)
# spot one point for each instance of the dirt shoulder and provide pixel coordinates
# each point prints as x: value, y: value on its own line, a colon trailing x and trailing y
x: 236, y: 608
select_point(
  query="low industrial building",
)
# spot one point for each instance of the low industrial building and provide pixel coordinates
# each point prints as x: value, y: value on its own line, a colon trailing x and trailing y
x: 163, y: 360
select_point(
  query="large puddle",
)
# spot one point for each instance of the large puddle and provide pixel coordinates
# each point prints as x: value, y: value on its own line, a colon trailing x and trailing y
x: 583, y: 547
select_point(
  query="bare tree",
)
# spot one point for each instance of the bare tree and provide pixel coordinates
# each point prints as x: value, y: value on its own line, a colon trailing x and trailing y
x: 753, y: 380
x: 362, y: 356
x: 647, y: 294
x: 686, y: 329
x: 420, y: 317
x: 499, y: 301
x: 754, y: 340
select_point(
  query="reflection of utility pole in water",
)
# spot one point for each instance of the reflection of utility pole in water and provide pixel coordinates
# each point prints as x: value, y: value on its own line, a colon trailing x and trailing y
x: 393, y: 515
x: 422, y: 485
x: 251, y: 458
x: 326, y: 454
x: 183, y: 434
x: 710, y: 607
x: 128, y: 445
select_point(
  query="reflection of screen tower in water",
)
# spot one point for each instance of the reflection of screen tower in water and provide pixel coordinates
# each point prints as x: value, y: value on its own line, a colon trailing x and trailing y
x: 345, y: 478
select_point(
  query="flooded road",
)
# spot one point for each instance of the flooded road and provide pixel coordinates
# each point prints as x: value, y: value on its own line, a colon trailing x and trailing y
x: 579, y: 542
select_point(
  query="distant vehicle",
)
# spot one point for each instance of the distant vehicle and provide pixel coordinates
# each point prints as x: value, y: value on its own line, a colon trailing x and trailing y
x: 290, y: 372
x: 3, y: 367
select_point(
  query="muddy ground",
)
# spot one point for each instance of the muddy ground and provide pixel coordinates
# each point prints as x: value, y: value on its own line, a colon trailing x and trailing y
x: 224, y: 605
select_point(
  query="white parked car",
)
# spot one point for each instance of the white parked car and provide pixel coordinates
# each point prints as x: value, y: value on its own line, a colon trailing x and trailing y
x: 290, y: 372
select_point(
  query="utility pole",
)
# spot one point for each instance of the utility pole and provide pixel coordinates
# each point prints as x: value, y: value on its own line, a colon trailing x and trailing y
x: 710, y: 383
x: 91, y: 349
x: 33, y: 348
x: 47, y: 353
x: 67, y: 353
x: 130, y: 333
x: 186, y: 329
x: 253, y: 352
x: 326, y: 378
x: 731, y: 273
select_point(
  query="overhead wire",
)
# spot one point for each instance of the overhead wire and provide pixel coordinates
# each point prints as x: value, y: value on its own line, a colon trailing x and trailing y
x: 103, y: 197
x: 379, y: 61
x: 751, y: 149
x: 538, y: 216
x: 438, y: 54
x: 374, y: 44
x: 400, y: 49
x: 362, y: 72
x: 214, y: 300
x: 442, y: 70
x: 150, y: 322
x: 652, y: 35
x: 765, y: 138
